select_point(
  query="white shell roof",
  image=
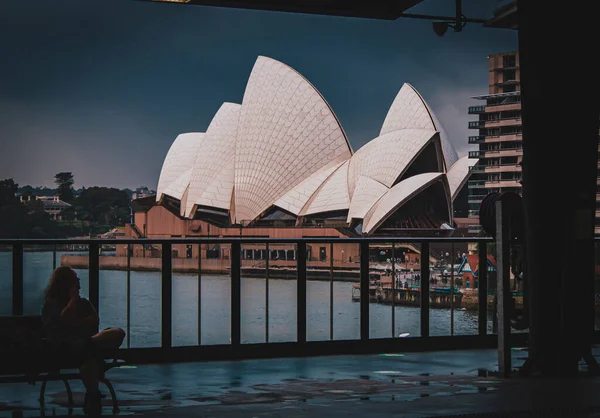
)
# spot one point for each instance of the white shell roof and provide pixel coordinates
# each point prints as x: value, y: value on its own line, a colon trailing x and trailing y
x: 284, y: 146
x: 366, y: 194
x: 294, y: 200
x: 386, y: 157
x: 286, y: 133
x: 332, y: 195
x: 459, y: 173
x: 211, y: 182
x: 179, y: 159
x: 409, y: 110
x: 178, y: 187
x: 396, y: 197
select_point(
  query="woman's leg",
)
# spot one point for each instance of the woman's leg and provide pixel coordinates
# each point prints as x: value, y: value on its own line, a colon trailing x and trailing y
x: 110, y: 338
x: 89, y: 375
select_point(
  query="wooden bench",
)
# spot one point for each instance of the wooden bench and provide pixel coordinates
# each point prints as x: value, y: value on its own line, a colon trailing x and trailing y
x: 24, y: 358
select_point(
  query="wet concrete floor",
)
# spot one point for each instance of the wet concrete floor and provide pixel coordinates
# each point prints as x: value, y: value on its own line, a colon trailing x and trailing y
x: 389, y: 384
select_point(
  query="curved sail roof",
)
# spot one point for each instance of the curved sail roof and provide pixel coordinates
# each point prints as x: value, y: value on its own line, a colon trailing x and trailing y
x: 386, y: 157
x: 332, y: 195
x: 180, y: 158
x: 211, y: 182
x: 294, y: 200
x: 409, y: 110
x: 458, y: 174
x: 366, y: 194
x: 286, y: 133
x: 178, y: 187
x: 283, y: 146
x: 396, y: 197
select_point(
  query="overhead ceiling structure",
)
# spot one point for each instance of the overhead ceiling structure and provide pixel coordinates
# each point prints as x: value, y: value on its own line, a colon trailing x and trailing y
x: 388, y: 10
x: 284, y: 149
x: 504, y: 16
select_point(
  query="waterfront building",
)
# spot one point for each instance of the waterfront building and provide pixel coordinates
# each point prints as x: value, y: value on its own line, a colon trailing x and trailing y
x: 280, y: 165
x: 53, y: 206
x: 498, y: 134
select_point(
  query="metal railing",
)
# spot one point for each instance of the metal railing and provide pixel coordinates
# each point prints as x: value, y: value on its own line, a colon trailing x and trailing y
x: 477, y: 139
x: 473, y: 110
x: 476, y: 124
x: 301, y: 347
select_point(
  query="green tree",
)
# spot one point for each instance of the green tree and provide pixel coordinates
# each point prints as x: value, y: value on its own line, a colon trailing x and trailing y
x: 64, y: 185
x: 8, y: 191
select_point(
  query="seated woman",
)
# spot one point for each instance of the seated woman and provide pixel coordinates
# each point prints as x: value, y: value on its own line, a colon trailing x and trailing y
x: 71, y: 327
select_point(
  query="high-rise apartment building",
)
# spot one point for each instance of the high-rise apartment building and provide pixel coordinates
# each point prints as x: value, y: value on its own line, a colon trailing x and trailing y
x: 497, y: 132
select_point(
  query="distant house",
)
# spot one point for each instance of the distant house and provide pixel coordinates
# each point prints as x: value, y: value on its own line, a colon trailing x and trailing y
x: 142, y: 192
x: 52, y: 205
x: 469, y: 268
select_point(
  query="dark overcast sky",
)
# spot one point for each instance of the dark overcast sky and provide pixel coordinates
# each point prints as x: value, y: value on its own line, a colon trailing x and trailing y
x: 102, y: 87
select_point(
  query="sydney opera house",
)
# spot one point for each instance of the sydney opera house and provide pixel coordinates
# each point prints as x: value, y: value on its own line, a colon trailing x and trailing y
x: 280, y: 165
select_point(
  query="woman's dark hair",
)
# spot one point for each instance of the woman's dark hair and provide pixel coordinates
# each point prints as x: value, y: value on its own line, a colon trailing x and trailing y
x: 59, y: 283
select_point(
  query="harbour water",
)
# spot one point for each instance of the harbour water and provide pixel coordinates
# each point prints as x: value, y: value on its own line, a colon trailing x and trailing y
x: 144, y: 326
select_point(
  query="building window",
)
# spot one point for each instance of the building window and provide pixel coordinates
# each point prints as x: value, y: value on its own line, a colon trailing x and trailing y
x: 509, y: 61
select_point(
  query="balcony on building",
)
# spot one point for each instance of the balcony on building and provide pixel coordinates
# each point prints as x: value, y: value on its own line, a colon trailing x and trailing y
x: 477, y: 183
x: 475, y: 154
x: 475, y: 110
x: 478, y: 139
x: 476, y: 124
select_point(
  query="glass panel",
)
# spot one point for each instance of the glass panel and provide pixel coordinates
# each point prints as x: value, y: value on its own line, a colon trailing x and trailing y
x: 185, y: 295
x: 283, y: 304
x: 318, y: 286
x: 346, y: 292
x: 596, y: 287
x: 5, y: 280
x: 405, y: 259
x: 380, y: 311
x: 447, y: 316
x: 216, y: 294
x: 145, y: 300
x: 254, y: 287
x: 37, y: 268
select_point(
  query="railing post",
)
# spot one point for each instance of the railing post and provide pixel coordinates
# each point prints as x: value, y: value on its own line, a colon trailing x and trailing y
x: 503, y: 290
x: 166, y: 296
x: 17, y: 279
x: 199, y: 294
x: 54, y: 257
x: 236, y: 292
x: 425, y: 289
x: 331, y: 291
x: 394, y: 290
x: 301, y: 293
x: 267, y: 293
x: 483, y: 288
x: 128, y: 291
x: 364, y: 290
x: 94, y: 274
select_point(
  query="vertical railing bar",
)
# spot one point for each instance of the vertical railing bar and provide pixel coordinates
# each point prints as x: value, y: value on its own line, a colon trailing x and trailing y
x: 94, y: 274
x: 503, y: 289
x: 301, y: 292
x: 166, y: 296
x: 128, y: 292
x: 452, y: 291
x: 17, y: 279
x: 482, y: 288
x: 331, y: 291
x: 393, y: 291
x: 54, y: 257
x: 236, y: 290
x: 267, y: 293
x: 425, y: 289
x: 364, y: 291
x: 199, y: 294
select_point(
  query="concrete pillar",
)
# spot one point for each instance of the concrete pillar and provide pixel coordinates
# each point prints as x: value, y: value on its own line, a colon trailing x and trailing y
x: 560, y: 86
